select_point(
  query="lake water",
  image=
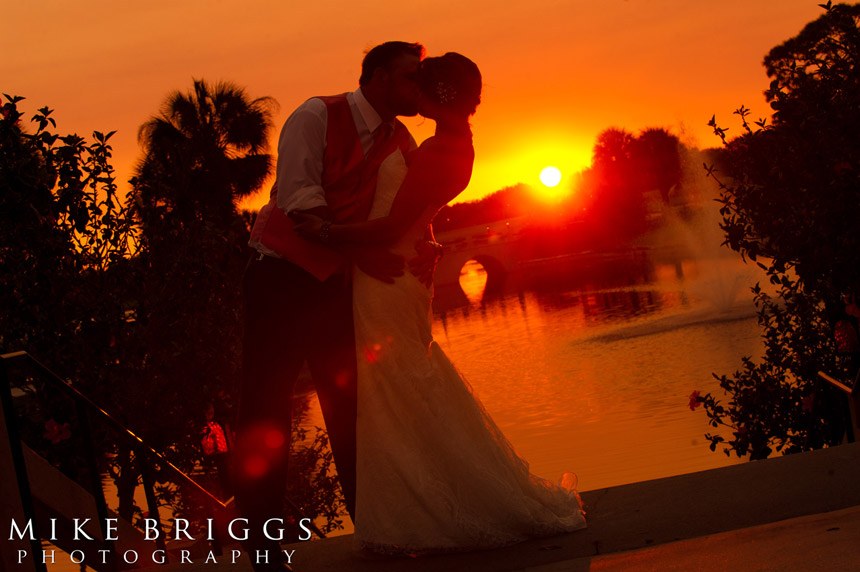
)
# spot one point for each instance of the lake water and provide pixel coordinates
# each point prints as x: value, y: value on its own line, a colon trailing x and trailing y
x: 594, y: 376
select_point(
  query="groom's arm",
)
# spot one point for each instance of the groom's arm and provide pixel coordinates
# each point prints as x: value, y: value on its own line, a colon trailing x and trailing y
x: 301, y: 147
x: 428, y: 182
x: 375, y: 261
x: 425, y: 179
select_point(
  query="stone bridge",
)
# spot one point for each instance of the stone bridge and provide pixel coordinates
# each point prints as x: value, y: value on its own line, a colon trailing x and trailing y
x: 493, y: 245
x: 507, y: 255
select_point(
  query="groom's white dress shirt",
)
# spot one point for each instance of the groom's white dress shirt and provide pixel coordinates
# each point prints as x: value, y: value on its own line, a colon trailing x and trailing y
x: 301, y: 146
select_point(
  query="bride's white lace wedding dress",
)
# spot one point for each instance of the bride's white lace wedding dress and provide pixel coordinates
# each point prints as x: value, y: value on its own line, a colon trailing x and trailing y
x: 434, y: 473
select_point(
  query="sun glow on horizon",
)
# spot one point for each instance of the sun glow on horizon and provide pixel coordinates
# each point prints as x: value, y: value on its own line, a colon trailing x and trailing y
x: 522, y: 163
x: 516, y: 164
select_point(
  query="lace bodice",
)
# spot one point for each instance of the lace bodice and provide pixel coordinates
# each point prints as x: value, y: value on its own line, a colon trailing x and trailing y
x: 392, y: 171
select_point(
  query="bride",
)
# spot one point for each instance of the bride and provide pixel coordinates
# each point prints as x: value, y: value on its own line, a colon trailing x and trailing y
x: 434, y: 472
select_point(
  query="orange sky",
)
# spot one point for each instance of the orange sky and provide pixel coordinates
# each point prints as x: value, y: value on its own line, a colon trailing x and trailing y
x: 556, y: 72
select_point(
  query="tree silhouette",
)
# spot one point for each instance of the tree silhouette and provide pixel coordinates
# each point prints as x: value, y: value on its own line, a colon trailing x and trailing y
x: 206, y: 149
x: 203, y: 152
x: 791, y: 202
x: 68, y: 285
x: 796, y: 180
x: 823, y: 56
x: 657, y: 156
x: 613, y: 150
x: 618, y: 206
x: 144, y: 321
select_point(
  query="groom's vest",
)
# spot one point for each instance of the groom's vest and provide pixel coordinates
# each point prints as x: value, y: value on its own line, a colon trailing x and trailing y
x: 349, y: 182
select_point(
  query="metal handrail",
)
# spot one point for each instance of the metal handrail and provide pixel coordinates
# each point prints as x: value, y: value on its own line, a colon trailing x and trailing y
x: 135, y: 441
x: 84, y: 406
x: 851, y: 391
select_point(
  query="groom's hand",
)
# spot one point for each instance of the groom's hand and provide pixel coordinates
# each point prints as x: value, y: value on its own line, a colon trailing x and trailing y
x: 424, y: 264
x: 375, y: 262
x: 307, y: 225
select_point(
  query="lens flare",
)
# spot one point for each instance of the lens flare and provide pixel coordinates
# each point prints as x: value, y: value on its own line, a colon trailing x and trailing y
x: 274, y: 439
x: 255, y: 467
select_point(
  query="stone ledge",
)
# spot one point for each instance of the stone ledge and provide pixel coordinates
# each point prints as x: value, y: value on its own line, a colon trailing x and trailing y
x: 640, y: 515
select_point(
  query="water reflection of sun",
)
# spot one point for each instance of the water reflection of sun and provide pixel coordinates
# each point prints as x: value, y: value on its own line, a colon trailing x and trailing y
x: 473, y: 280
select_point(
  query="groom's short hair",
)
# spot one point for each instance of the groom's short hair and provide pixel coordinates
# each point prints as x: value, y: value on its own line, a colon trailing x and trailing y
x: 384, y: 54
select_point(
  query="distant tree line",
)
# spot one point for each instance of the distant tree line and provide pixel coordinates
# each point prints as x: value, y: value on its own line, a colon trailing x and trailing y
x: 610, y: 202
x: 510, y: 202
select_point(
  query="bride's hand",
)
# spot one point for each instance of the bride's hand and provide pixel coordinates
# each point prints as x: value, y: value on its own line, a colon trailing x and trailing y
x: 307, y: 226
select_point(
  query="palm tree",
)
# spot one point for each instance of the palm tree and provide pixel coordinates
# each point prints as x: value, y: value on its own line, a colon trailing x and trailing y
x: 613, y: 160
x: 613, y: 148
x: 659, y: 158
x: 618, y: 202
x: 202, y: 152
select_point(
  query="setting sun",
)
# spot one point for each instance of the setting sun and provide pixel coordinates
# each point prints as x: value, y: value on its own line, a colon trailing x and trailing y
x: 550, y: 176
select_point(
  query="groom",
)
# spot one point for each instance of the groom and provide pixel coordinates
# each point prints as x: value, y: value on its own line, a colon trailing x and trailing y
x: 297, y: 294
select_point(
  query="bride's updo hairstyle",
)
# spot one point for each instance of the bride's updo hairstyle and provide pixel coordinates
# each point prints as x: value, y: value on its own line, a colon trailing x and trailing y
x: 452, y: 80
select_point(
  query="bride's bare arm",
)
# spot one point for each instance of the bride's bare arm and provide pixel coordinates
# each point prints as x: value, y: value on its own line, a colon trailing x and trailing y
x: 436, y: 175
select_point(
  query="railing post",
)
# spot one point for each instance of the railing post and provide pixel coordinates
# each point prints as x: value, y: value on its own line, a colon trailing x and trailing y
x: 17, y: 454
x: 215, y: 543
x: 151, y: 501
x: 95, y: 478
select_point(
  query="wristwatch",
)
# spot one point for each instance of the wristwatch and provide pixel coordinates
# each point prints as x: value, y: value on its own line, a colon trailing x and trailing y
x: 325, y: 231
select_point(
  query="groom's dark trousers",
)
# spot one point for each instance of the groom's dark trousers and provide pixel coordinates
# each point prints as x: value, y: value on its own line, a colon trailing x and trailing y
x: 290, y: 318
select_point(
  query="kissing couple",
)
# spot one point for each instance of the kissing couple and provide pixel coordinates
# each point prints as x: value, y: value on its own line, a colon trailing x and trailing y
x: 423, y: 467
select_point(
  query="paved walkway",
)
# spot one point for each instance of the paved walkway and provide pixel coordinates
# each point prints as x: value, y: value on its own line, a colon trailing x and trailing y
x: 817, y: 543
x: 800, y: 512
